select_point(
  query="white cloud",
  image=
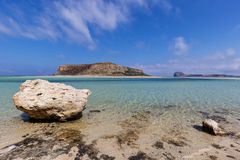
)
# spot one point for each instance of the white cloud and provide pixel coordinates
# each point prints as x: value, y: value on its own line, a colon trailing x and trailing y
x: 41, y: 31
x: 166, y: 5
x: 72, y: 20
x: 223, y: 55
x: 4, y: 29
x: 227, y: 62
x: 6, y: 70
x: 179, y: 46
x: 230, y: 52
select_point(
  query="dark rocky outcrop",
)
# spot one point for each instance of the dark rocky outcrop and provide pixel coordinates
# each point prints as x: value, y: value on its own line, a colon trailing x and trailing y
x: 51, y: 142
x: 178, y: 74
x: 102, y: 69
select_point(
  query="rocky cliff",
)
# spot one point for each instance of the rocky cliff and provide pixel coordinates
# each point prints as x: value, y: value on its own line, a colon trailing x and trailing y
x: 102, y: 69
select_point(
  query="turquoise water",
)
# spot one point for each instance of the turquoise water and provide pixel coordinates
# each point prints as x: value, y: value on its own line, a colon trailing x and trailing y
x: 129, y: 94
x: 152, y: 108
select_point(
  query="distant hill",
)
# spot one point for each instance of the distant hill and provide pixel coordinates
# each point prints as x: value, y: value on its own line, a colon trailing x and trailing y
x: 181, y: 74
x: 101, y: 69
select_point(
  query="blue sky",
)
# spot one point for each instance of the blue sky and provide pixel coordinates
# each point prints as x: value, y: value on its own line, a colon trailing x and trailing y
x: 158, y: 36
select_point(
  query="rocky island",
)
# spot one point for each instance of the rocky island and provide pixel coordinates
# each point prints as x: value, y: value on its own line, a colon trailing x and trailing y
x: 99, y: 69
x: 181, y: 74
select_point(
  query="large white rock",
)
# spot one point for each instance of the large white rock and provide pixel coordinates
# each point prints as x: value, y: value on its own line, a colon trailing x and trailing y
x: 212, y: 127
x: 41, y: 99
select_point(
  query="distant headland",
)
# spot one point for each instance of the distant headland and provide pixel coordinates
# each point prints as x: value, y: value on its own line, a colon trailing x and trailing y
x: 181, y: 74
x: 99, y: 69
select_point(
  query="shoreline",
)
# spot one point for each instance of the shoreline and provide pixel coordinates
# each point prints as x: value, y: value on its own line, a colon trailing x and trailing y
x: 123, y: 77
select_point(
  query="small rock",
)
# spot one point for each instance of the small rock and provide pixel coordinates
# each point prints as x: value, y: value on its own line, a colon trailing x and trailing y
x: 106, y: 157
x: 169, y: 156
x: 141, y: 156
x: 212, y: 127
x: 158, y: 145
x: 229, y: 156
x: 237, y: 135
x: 212, y: 157
x: 237, y: 150
x: 217, y: 146
x: 95, y: 111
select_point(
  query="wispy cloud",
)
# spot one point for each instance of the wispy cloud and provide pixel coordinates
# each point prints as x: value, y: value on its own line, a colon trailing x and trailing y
x: 4, y: 29
x: 227, y: 62
x: 6, y: 70
x: 69, y: 19
x: 223, y: 55
x: 166, y: 6
x: 179, y: 46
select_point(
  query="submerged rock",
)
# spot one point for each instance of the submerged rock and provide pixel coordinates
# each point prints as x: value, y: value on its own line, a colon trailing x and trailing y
x: 41, y: 99
x: 212, y: 127
x: 158, y: 145
x: 176, y: 141
x: 141, y: 156
x: 62, y: 143
x: 95, y: 111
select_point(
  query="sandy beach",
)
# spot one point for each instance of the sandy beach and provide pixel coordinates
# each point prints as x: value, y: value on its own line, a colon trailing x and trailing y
x: 144, y: 134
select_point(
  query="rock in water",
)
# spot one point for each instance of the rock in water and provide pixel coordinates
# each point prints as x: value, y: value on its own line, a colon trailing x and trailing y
x: 41, y: 99
x: 212, y: 127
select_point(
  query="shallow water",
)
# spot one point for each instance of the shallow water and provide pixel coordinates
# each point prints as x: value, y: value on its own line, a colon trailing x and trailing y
x: 125, y: 94
x: 175, y: 106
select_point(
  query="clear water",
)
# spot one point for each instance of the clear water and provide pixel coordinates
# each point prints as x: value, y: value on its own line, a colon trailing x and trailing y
x: 129, y: 94
x: 173, y: 107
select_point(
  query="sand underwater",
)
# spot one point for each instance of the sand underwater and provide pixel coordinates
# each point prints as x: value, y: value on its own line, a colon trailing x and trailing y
x: 135, y: 119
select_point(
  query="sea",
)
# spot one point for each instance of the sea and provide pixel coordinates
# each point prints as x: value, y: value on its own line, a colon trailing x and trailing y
x: 129, y: 94
x: 173, y: 105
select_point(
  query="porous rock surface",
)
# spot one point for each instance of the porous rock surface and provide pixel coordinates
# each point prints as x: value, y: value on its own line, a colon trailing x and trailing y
x: 41, y: 99
x: 212, y: 127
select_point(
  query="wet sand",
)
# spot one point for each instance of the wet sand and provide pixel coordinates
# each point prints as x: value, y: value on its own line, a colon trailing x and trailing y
x: 166, y: 133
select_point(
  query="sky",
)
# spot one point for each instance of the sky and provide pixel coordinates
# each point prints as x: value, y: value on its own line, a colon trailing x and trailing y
x: 158, y: 36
